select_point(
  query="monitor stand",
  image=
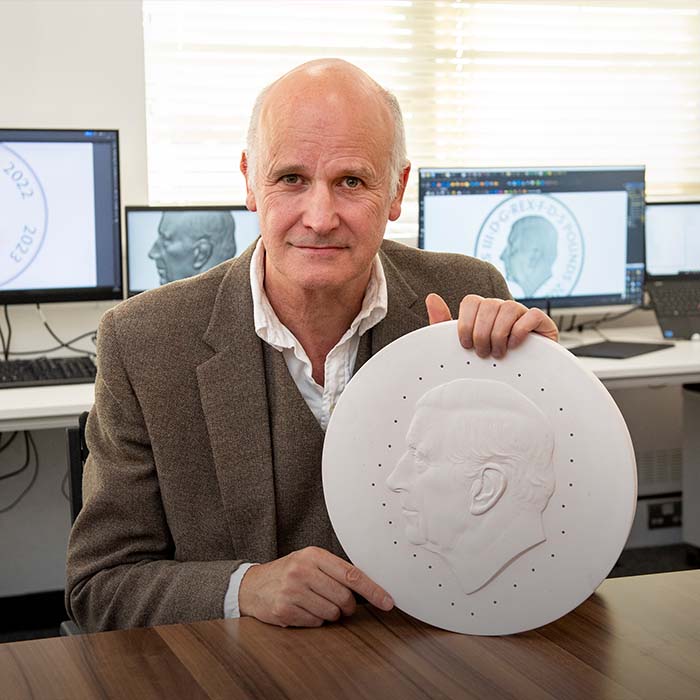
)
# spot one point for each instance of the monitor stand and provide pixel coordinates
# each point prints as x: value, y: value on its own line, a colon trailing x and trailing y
x: 616, y: 350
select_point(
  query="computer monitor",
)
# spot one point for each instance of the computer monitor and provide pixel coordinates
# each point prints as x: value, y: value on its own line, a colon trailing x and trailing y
x: 60, y: 234
x: 672, y: 239
x: 164, y: 244
x: 564, y: 238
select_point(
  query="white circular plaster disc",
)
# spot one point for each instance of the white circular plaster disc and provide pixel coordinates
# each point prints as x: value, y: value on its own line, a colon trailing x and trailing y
x: 487, y: 496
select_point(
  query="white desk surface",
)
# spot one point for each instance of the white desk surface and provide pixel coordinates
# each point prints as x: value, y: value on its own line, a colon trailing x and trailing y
x: 678, y: 364
x: 60, y: 406
x: 44, y: 407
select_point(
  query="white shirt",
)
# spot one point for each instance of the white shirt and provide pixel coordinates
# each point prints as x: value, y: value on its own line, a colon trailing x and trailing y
x: 338, y: 367
x: 340, y: 361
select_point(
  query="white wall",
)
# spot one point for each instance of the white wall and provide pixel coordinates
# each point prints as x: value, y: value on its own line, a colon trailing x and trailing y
x: 64, y: 64
x: 75, y: 64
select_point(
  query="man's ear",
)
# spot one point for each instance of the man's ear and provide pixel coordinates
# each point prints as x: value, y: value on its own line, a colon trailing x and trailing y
x: 487, y: 490
x: 249, y: 195
x: 535, y: 257
x: 395, y: 207
x: 201, y: 252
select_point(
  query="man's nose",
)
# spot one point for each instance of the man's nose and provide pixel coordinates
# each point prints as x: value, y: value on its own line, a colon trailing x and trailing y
x: 154, y: 252
x: 320, y: 211
x: 396, y: 480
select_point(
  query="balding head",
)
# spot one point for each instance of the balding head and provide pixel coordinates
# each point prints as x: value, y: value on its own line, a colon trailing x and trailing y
x: 325, y: 172
x: 338, y: 84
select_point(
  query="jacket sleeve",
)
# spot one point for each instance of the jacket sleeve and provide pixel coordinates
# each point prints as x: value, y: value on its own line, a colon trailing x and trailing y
x: 122, y: 570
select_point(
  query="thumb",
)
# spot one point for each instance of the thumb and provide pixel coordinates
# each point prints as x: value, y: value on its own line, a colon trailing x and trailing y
x: 438, y: 311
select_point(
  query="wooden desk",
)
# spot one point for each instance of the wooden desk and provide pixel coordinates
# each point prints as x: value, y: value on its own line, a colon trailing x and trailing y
x: 637, y: 637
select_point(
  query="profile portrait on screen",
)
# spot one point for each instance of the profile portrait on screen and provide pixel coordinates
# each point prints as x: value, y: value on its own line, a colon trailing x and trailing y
x: 476, y: 477
x: 530, y: 253
x: 191, y: 242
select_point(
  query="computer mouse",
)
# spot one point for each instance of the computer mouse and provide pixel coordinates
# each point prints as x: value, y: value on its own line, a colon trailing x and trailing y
x: 695, y: 336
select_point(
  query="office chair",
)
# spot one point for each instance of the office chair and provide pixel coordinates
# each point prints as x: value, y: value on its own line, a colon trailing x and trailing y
x: 77, y: 451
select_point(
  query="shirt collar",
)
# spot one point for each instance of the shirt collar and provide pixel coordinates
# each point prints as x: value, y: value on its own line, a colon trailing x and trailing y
x: 271, y: 330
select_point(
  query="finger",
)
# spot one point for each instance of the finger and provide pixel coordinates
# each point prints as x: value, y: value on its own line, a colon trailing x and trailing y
x: 483, y: 325
x: 468, y: 309
x: 292, y: 615
x: 438, y: 311
x: 534, y: 320
x: 315, y: 590
x: 295, y: 602
x: 335, y: 593
x: 319, y: 606
x: 350, y: 576
x: 508, y: 314
x: 304, y: 584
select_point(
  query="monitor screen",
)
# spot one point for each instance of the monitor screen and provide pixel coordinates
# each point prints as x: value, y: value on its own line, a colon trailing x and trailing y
x: 164, y: 244
x: 673, y: 238
x: 569, y: 237
x: 60, y: 234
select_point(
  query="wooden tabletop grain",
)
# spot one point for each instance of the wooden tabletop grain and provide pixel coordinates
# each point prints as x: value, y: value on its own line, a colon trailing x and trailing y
x: 636, y: 637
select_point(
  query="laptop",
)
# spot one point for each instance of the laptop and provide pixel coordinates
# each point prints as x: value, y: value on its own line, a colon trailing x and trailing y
x: 673, y: 266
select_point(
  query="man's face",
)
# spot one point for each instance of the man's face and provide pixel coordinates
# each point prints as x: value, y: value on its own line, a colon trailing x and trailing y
x: 514, y: 257
x: 172, y: 251
x: 322, y: 187
x: 433, y: 492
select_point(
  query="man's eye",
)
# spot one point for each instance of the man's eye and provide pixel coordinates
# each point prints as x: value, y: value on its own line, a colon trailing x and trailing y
x: 418, y: 459
x: 352, y: 182
x: 290, y: 179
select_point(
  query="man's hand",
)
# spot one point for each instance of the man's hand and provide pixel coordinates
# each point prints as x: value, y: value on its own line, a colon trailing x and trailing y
x: 305, y: 589
x: 492, y: 326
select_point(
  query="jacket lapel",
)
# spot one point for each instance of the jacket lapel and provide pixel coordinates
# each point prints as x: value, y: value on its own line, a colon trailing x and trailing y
x: 405, y: 310
x: 234, y: 400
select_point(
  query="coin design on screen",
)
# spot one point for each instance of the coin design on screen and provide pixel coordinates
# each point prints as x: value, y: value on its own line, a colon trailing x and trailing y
x: 536, y: 241
x: 23, y: 214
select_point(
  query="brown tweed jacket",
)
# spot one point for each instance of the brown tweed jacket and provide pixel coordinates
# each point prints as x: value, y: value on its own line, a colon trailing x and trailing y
x: 203, y: 454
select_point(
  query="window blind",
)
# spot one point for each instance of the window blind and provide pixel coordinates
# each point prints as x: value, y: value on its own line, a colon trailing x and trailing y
x: 481, y: 84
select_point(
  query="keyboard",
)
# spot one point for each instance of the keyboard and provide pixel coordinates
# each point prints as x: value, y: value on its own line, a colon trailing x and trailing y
x: 45, y: 371
x: 676, y: 298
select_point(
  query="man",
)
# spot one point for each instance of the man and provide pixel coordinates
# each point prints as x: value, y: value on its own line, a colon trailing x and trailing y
x: 191, y: 242
x: 476, y: 477
x: 530, y: 253
x: 212, y: 393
